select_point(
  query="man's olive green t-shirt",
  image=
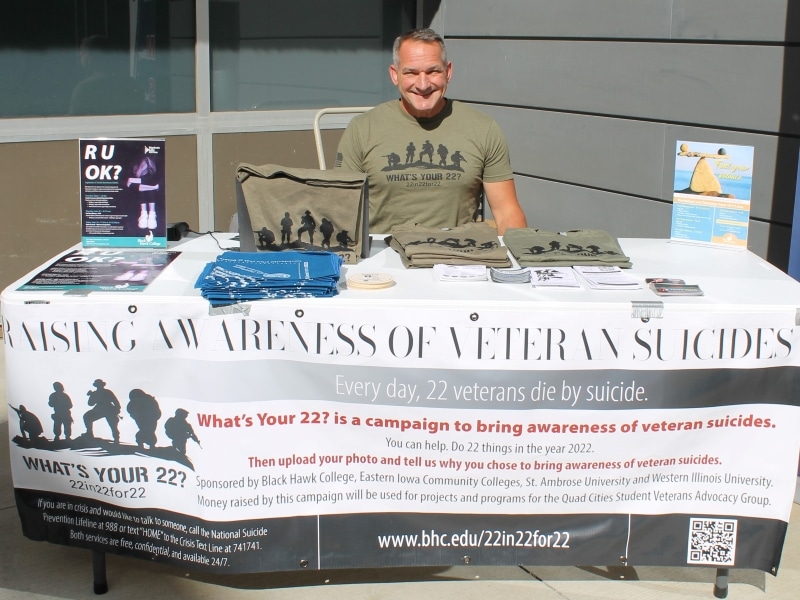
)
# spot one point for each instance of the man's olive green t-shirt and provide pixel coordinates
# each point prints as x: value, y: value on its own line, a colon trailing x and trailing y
x: 425, y: 171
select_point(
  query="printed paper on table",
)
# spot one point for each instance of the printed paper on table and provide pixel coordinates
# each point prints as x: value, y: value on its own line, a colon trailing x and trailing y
x: 123, y: 196
x: 712, y: 194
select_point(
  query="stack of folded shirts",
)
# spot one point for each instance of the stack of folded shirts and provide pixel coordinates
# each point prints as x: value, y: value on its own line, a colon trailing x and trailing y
x: 471, y: 244
x: 539, y: 248
x: 243, y: 276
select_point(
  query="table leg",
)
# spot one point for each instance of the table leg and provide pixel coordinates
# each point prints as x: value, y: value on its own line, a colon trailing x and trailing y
x: 99, y: 572
x: 721, y: 584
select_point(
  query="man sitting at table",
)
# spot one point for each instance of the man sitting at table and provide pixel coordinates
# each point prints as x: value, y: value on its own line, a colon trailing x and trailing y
x: 472, y: 154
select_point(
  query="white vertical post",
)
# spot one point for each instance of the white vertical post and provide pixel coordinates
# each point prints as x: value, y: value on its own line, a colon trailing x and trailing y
x: 205, y: 151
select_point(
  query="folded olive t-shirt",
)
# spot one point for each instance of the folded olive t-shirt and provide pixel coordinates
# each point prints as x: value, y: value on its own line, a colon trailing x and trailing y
x: 536, y: 248
x: 470, y: 244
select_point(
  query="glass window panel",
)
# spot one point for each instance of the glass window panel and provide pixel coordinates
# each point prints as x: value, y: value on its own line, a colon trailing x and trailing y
x: 273, y: 54
x: 93, y: 57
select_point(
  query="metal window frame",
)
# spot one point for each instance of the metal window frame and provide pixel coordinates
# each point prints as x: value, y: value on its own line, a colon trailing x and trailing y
x: 202, y: 123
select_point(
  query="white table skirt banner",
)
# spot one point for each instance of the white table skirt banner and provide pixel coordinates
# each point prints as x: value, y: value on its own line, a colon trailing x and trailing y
x: 296, y: 435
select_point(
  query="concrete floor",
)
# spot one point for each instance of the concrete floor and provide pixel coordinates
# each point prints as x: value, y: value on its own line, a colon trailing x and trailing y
x: 37, y: 570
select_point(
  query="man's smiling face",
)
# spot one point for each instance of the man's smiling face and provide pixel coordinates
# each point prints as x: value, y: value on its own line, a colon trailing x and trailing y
x: 421, y: 76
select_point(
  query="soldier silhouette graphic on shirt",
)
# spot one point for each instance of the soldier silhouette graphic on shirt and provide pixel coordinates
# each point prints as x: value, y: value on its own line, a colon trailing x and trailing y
x: 411, y: 152
x: 286, y: 228
x: 308, y: 224
x: 393, y: 159
x: 344, y: 239
x: 425, y: 160
x: 442, y: 152
x: 326, y: 229
x: 427, y: 149
x: 266, y: 239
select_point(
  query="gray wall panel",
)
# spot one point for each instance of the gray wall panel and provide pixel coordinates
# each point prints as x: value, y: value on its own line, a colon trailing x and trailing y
x: 634, y: 158
x: 561, y: 19
x: 704, y: 84
x: 558, y: 206
x: 612, y: 154
x: 730, y: 20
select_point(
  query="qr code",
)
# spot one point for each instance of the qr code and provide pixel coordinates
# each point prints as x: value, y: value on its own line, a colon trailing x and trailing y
x: 712, y: 541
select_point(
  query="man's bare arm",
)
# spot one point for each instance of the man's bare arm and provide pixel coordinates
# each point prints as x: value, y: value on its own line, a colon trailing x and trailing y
x: 506, y: 211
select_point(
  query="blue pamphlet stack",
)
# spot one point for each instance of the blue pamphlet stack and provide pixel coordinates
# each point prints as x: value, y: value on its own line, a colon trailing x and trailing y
x: 243, y: 276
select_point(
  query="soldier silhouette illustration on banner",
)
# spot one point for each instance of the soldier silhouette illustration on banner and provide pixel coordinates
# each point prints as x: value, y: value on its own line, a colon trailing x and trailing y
x: 142, y: 407
x: 145, y: 412
x: 104, y: 405
x: 29, y: 424
x: 61, y: 404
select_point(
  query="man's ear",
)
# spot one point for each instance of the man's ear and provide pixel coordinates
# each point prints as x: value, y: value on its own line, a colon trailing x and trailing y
x: 449, y: 71
x: 393, y: 73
